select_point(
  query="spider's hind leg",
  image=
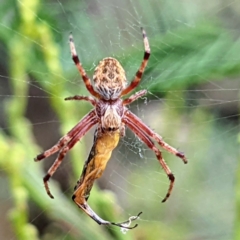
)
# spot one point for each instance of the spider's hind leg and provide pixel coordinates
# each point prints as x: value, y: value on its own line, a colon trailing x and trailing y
x: 135, y: 127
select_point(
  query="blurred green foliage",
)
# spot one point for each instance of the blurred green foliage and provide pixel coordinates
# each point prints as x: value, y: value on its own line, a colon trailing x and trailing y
x: 182, y: 57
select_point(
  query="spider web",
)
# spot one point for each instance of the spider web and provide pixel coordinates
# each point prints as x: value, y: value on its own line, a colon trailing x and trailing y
x: 193, y: 85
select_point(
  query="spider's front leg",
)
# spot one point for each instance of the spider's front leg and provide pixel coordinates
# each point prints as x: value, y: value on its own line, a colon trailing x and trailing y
x: 142, y: 67
x: 134, y: 97
x: 81, y: 70
x: 79, y: 98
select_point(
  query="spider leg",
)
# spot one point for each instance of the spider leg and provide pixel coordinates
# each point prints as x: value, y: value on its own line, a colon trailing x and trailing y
x: 64, y: 150
x: 134, y: 97
x: 155, y: 136
x: 140, y: 71
x: 66, y: 138
x: 145, y: 138
x: 81, y: 70
x: 77, y: 97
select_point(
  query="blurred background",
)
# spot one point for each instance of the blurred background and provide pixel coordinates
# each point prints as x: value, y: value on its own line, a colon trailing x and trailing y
x: 193, y: 87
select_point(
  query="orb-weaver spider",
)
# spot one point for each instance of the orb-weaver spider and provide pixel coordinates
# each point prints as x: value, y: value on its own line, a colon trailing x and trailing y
x: 111, y: 116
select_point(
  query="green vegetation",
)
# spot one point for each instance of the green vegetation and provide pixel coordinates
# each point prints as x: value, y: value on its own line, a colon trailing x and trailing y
x: 34, y: 36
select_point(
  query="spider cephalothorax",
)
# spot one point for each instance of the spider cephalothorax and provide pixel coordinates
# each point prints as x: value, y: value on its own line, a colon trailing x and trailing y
x: 109, y: 78
x: 111, y: 118
x: 111, y: 115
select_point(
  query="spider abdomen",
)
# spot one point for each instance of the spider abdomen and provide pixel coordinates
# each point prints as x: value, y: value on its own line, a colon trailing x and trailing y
x: 109, y: 78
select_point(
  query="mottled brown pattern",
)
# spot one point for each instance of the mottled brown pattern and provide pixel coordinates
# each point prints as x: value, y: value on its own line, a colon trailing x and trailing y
x: 109, y: 78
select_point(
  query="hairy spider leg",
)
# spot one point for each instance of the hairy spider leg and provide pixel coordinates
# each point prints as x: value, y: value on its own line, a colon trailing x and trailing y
x: 134, y: 97
x: 145, y: 138
x: 138, y: 122
x: 63, y: 151
x: 81, y: 70
x: 66, y: 138
x: 143, y: 65
x: 79, y: 98
x: 65, y: 144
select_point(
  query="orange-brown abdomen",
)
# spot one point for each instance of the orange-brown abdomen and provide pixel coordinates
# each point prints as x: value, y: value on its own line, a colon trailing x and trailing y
x: 109, y: 78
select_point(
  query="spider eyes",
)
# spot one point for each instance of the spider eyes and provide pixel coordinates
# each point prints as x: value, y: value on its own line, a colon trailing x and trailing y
x: 110, y: 129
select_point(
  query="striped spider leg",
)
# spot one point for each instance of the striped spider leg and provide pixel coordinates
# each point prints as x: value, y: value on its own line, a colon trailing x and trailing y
x: 65, y: 144
x: 145, y: 134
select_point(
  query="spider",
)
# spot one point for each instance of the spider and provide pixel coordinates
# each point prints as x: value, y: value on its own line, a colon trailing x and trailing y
x: 111, y: 115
